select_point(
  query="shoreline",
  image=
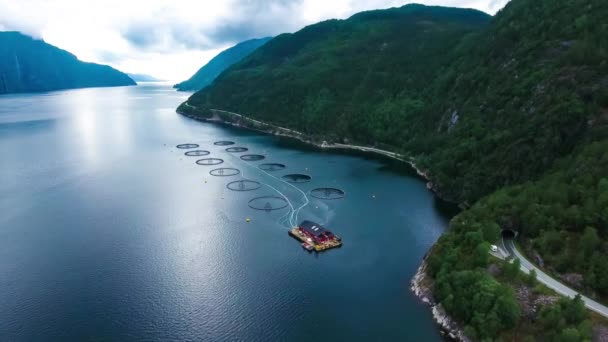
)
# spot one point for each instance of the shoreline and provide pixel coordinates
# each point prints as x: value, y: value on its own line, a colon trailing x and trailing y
x: 421, y: 286
x: 267, y: 128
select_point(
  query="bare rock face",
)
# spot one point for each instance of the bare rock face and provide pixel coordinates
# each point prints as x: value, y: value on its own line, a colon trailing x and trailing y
x: 573, y: 279
x: 600, y: 333
x: 530, y: 303
x: 545, y: 300
x: 526, y: 302
x: 448, y: 120
x: 453, y: 120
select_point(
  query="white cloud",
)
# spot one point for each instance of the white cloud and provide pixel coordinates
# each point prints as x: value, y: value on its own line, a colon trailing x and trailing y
x: 171, y: 39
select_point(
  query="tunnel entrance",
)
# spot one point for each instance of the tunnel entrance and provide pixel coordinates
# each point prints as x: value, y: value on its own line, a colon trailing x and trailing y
x: 508, y: 234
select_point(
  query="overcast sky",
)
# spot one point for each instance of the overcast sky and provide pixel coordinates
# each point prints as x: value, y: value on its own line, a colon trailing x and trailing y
x: 171, y: 39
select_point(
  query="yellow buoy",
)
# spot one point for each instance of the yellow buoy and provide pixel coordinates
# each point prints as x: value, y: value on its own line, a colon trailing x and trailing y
x: 248, y: 219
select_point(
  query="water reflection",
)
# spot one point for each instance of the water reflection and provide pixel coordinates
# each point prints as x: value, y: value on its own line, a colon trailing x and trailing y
x: 109, y: 232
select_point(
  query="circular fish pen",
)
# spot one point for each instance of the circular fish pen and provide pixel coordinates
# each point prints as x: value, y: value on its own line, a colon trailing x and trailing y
x: 210, y: 161
x: 243, y: 185
x: 197, y: 153
x: 223, y: 143
x: 224, y: 172
x: 272, y: 167
x: 297, y: 178
x: 252, y: 157
x: 237, y: 149
x: 327, y: 193
x: 187, y: 146
x: 268, y: 203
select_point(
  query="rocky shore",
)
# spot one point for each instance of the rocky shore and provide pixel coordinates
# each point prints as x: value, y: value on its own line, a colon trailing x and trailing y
x: 421, y: 286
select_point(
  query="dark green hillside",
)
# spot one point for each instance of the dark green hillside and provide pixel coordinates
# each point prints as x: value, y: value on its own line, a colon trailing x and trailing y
x: 527, y: 91
x: 400, y: 77
x: 531, y: 95
x: 206, y: 74
x: 344, y: 78
x: 562, y: 216
x: 508, y: 114
x: 29, y: 65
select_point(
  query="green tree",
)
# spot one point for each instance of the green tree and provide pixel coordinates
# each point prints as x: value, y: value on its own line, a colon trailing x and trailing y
x: 552, y: 242
x: 590, y: 241
x: 570, y: 335
x: 481, y: 255
x: 552, y: 318
x: 512, y: 268
x: 531, y: 279
x: 491, y: 232
x: 574, y: 310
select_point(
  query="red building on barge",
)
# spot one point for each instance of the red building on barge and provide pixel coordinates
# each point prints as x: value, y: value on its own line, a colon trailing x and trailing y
x: 315, y: 236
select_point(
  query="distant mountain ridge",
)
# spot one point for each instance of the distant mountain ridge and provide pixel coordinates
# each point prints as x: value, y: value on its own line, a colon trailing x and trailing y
x: 31, y: 65
x: 205, y: 75
x: 143, y: 78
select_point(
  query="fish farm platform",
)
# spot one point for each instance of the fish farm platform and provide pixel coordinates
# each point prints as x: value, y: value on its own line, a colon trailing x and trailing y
x: 310, y: 245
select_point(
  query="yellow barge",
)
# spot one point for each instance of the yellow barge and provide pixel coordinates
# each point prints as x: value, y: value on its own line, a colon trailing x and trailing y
x: 315, y: 237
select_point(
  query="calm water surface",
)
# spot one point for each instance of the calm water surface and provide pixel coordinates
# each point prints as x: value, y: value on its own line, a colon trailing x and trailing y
x: 108, y: 232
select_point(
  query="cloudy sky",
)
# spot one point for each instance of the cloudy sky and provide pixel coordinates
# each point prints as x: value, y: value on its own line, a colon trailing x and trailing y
x: 171, y: 39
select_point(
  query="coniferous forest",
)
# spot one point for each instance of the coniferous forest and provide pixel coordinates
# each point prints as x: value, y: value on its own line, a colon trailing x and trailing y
x: 507, y: 115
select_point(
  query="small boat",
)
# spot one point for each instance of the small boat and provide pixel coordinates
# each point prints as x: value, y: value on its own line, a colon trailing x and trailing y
x: 307, y: 246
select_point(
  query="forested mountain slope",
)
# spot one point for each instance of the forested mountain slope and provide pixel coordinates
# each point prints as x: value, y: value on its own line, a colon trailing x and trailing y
x: 30, y: 65
x: 208, y: 72
x: 507, y: 114
x: 335, y: 77
x: 407, y: 78
x: 527, y: 90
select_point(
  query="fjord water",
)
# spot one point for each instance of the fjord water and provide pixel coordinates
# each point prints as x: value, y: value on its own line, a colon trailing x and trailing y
x: 108, y: 232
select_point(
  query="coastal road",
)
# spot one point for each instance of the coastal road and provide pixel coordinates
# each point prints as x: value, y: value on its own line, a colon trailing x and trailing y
x: 527, y: 266
x: 302, y: 137
x: 324, y: 145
